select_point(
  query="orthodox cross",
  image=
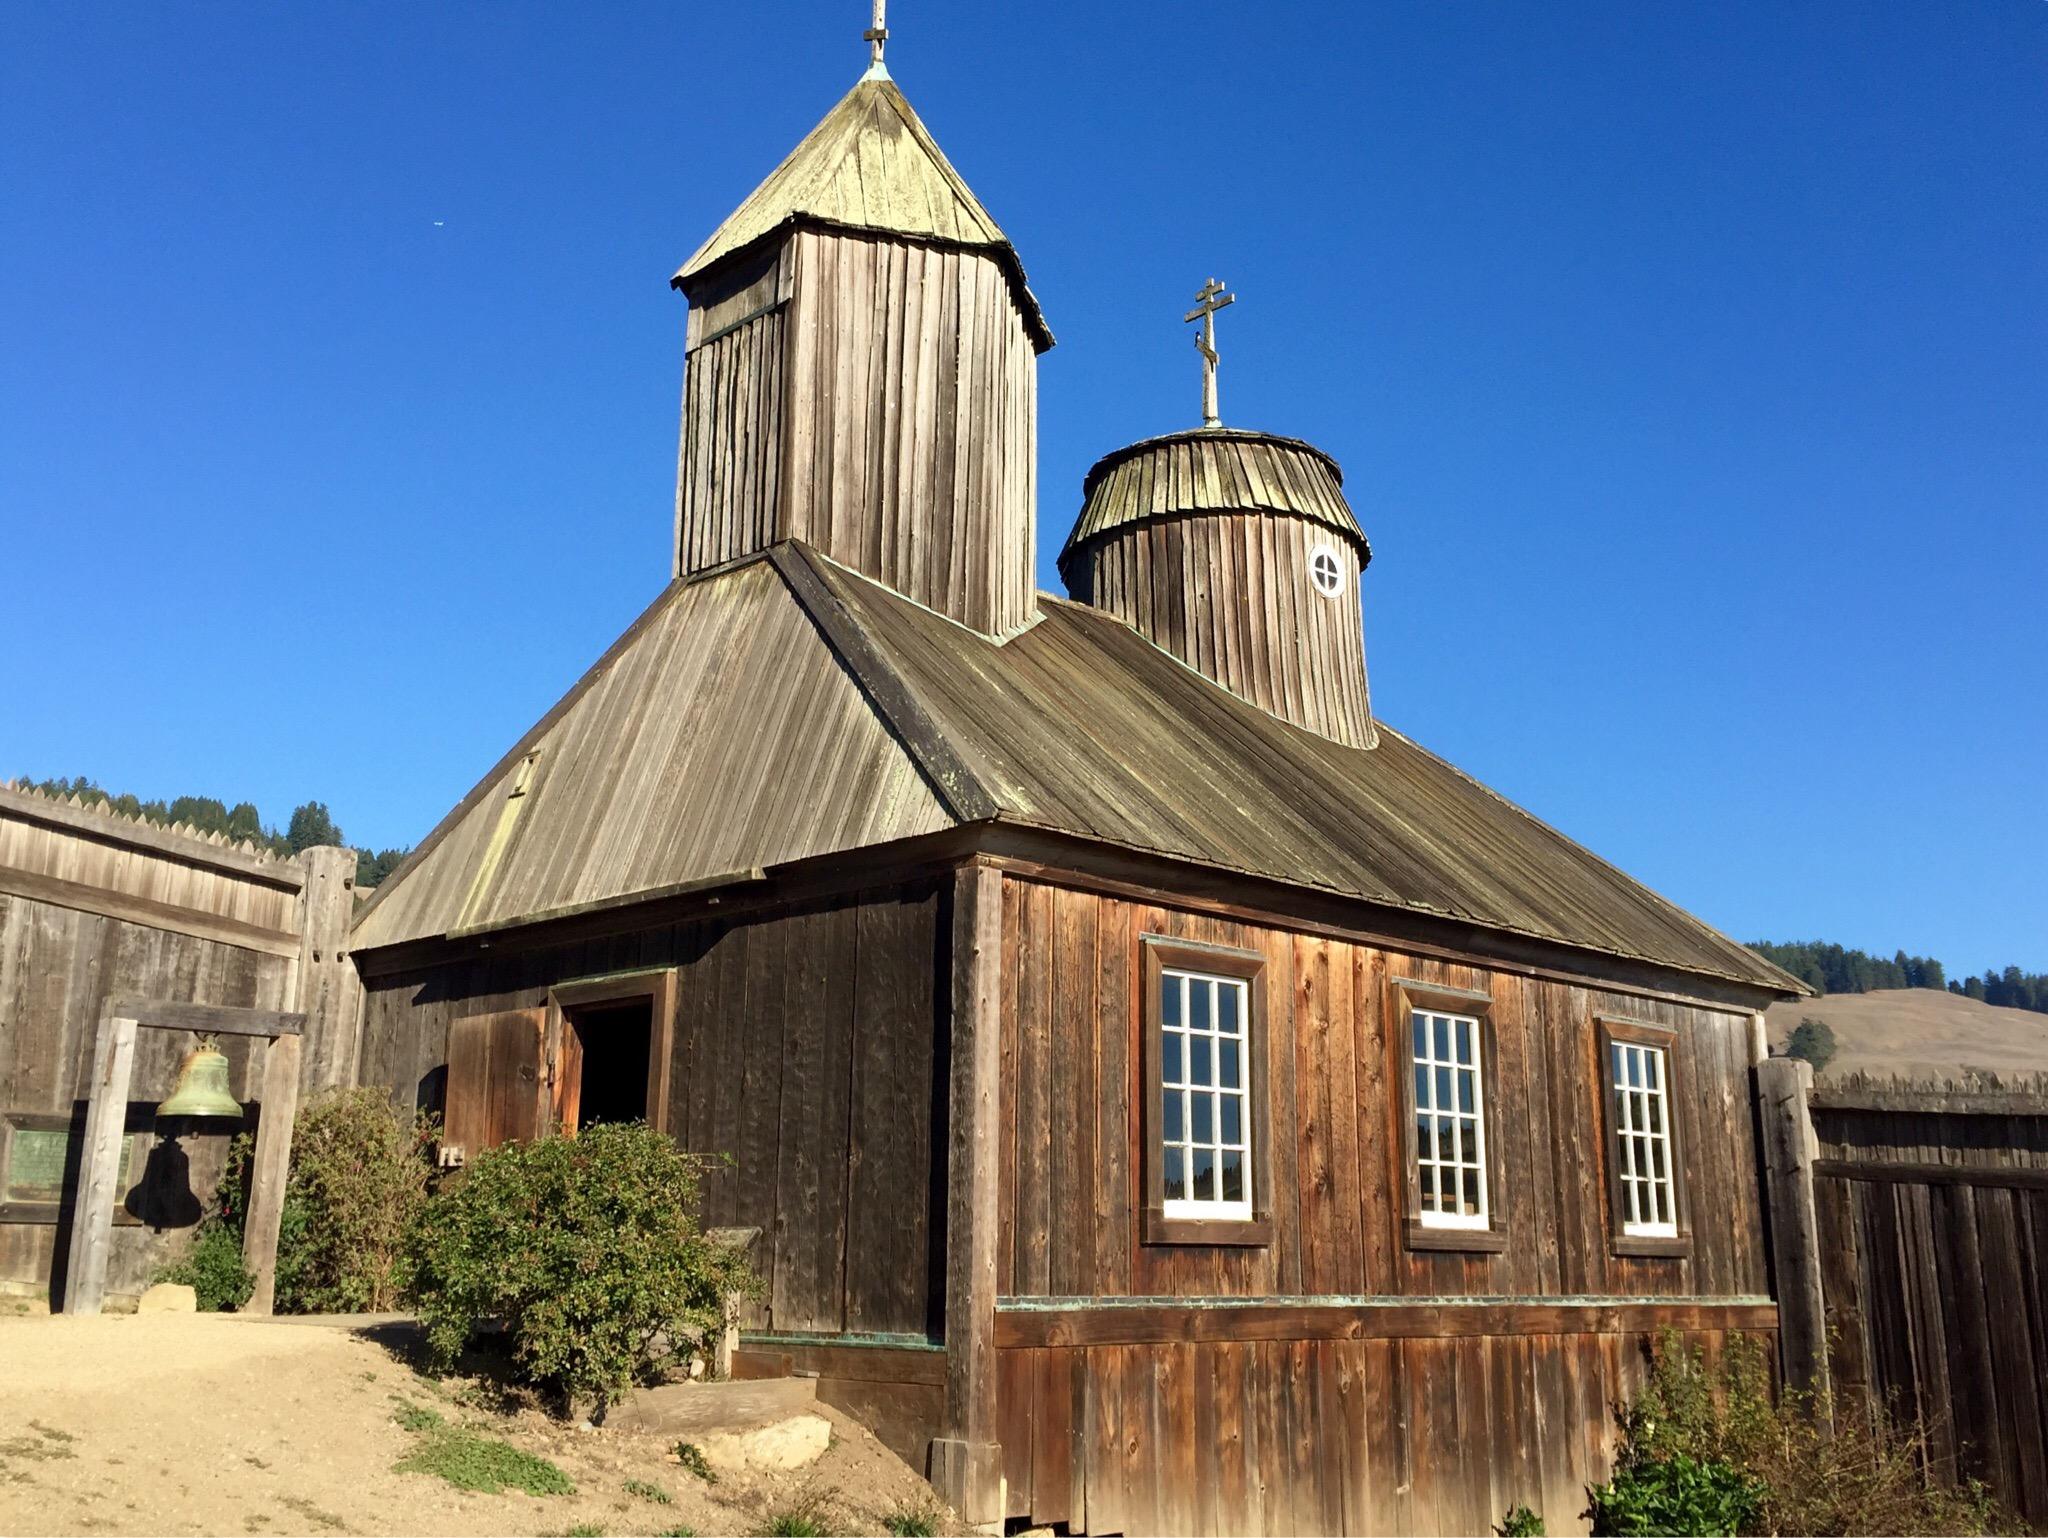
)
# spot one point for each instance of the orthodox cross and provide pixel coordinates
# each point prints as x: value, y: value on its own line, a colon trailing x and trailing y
x: 875, y: 37
x: 1207, y: 303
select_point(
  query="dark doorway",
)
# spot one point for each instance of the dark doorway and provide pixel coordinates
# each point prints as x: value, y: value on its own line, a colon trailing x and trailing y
x: 614, y: 1042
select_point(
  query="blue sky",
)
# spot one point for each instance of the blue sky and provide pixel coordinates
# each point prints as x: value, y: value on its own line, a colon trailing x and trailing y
x: 1688, y: 365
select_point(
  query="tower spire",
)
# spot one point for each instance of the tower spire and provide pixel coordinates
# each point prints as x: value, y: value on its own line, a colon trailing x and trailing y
x: 1207, y: 303
x: 876, y: 35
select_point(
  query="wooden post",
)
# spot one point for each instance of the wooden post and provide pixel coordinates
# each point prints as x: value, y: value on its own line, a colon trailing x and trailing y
x: 967, y: 1461
x: 329, y: 993
x: 1783, y: 1084
x: 106, y: 1125
x: 280, y: 1108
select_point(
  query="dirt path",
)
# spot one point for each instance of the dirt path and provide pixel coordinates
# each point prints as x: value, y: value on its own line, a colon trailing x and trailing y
x: 211, y: 1424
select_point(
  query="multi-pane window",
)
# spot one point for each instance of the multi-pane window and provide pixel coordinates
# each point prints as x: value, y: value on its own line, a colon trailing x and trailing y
x: 1640, y: 1082
x: 1450, y: 1121
x: 1205, y: 1104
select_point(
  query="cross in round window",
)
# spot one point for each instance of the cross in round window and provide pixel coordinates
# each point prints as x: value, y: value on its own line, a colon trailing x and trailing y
x: 1325, y: 572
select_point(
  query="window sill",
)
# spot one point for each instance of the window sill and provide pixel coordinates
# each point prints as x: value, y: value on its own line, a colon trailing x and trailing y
x: 1245, y: 1233
x: 1486, y: 1241
x: 1642, y: 1245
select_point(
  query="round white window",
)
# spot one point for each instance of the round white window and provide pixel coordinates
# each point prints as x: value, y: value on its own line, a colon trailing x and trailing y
x: 1326, y: 571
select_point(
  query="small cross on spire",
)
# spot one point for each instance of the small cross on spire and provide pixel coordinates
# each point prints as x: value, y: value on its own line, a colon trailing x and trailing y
x: 1207, y: 303
x: 875, y: 36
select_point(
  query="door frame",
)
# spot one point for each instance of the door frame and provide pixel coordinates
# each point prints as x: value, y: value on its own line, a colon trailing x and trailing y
x: 658, y: 986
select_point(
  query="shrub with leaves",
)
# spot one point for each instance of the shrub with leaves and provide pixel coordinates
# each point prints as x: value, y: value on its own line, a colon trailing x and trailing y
x: 212, y: 1268
x: 1520, y: 1522
x: 358, y: 1182
x: 1680, y: 1495
x: 1868, y: 1473
x: 586, y: 1249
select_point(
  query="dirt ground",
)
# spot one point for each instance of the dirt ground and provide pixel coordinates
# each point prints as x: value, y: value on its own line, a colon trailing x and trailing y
x: 205, y: 1423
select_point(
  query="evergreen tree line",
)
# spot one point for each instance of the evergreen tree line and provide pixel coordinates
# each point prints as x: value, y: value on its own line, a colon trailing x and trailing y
x: 1830, y: 968
x: 311, y: 823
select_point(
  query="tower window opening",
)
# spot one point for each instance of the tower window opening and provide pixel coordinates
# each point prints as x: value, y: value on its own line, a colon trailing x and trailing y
x: 1325, y: 572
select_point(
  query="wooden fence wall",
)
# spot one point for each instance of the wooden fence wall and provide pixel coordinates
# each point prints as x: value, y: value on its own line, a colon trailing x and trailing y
x: 95, y: 906
x: 1931, y: 1206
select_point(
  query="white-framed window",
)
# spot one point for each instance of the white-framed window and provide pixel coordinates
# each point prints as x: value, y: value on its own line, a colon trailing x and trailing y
x: 1325, y: 571
x: 1640, y: 1080
x: 1450, y: 1121
x: 1205, y: 1120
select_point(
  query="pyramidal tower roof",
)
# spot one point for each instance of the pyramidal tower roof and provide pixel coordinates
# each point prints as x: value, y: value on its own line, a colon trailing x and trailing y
x: 873, y: 166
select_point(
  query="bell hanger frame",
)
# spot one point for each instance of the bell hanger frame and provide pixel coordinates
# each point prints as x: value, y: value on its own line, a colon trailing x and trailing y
x: 106, y: 1117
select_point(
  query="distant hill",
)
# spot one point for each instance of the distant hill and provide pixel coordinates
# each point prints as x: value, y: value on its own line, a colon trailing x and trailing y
x: 1918, y: 1031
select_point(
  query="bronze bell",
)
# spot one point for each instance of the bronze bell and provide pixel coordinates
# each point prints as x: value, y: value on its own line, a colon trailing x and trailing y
x: 202, y: 1087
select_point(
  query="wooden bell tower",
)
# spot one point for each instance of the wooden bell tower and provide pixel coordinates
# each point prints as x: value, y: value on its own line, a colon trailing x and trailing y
x: 861, y: 372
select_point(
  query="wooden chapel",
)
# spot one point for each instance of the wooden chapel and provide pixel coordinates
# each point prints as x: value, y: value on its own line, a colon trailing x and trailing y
x: 1170, y: 1100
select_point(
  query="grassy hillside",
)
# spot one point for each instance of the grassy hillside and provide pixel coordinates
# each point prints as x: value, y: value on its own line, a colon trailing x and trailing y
x: 1910, y: 1031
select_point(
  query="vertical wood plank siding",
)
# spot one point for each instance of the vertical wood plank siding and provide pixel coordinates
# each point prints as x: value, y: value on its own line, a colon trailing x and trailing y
x: 807, y: 1047
x: 1934, y: 1259
x: 881, y: 406
x: 1316, y: 1436
x: 1231, y: 597
x: 1334, y: 1115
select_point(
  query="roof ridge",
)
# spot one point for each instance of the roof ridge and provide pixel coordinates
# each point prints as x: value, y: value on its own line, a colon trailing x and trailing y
x: 959, y: 789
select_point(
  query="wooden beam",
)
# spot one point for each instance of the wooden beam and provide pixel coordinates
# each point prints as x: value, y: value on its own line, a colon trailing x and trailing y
x: 2011, y: 1176
x: 1022, y: 1325
x: 329, y: 990
x: 1932, y: 1100
x: 106, y: 1117
x: 111, y: 828
x: 210, y: 1019
x: 146, y: 911
x: 1790, y: 1148
x: 966, y: 1459
x: 270, y: 1168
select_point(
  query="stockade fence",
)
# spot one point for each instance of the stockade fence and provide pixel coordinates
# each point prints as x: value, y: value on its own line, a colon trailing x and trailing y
x: 1918, y: 1212
x: 96, y: 907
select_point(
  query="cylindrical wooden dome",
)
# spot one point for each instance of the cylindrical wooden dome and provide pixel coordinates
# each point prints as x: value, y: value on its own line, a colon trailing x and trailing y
x: 1236, y: 552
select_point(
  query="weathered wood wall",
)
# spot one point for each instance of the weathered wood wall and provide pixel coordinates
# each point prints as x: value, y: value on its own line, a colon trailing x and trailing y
x: 808, y: 1045
x: 876, y: 398
x: 1933, y: 1214
x: 1310, y: 1404
x: 1230, y: 596
x: 1069, y: 1211
x: 1390, y: 1435
x: 94, y: 906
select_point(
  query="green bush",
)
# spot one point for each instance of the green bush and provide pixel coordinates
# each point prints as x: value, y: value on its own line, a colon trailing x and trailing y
x: 1677, y: 1495
x: 1812, y: 1471
x: 1520, y: 1522
x: 358, y: 1183
x: 585, y: 1249
x: 212, y: 1268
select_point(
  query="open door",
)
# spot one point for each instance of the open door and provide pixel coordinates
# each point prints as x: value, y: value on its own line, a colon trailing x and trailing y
x: 497, y: 1087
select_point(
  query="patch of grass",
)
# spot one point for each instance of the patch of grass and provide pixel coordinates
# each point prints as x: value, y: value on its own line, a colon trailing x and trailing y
x: 314, y: 1514
x: 803, y: 1517
x: 35, y: 1449
x: 692, y: 1458
x: 469, y: 1460
x: 417, y: 1417
x: 912, y: 1519
x: 584, y: 1530
x: 678, y: 1532
x: 51, y: 1433
x: 648, y: 1492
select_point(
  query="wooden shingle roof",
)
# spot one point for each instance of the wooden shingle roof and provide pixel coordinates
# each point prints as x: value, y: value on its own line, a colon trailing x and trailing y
x: 871, y: 165
x: 788, y: 707
x: 1213, y: 469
